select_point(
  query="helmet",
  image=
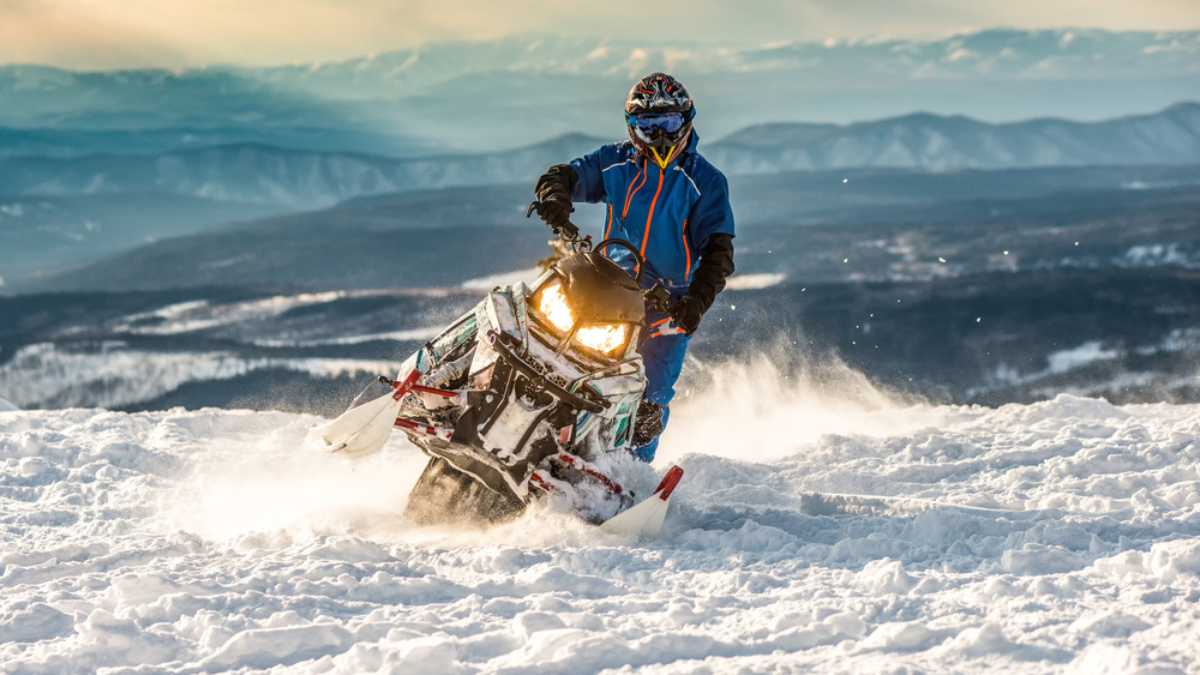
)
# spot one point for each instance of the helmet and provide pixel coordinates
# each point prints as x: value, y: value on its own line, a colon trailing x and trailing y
x: 659, y: 114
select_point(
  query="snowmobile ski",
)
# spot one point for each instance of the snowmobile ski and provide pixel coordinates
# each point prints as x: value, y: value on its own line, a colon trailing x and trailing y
x: 365, y: 429
x: 646, y: 517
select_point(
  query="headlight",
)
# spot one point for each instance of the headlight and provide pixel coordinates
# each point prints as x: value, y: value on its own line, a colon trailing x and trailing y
x: 605, y: 338
x: 552, y: 304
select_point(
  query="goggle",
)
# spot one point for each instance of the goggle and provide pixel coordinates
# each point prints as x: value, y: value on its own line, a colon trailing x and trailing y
x: 648, y: 123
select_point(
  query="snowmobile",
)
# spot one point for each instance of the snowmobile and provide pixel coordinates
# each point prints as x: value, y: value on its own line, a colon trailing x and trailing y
x: 519, y: 397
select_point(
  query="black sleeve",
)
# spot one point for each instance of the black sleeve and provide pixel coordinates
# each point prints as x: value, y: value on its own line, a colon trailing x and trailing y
x: 716, y: 263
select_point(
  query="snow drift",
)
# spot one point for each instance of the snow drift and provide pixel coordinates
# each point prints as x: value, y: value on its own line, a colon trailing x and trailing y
x: 1063, y: 535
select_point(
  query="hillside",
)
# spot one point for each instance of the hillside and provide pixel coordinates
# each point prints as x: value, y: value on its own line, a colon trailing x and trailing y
x: 891, y: 224
x: 41, y: 236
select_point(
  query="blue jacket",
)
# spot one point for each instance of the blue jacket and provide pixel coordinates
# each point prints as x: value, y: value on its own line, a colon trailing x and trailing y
x: 668, y: 214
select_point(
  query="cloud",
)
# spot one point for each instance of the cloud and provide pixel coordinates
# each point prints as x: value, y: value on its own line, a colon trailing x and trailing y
x: 109, y: 33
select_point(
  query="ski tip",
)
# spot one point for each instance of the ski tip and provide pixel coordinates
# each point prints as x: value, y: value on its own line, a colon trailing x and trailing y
x: 667, y: 485
x: 647, y: 516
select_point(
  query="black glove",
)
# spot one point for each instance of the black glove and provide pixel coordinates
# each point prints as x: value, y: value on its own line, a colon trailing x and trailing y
x: 686, y: 314
x: 716, y: 263
x: 553, y: 193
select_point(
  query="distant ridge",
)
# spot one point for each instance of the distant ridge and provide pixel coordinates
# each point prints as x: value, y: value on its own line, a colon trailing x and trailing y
x: 262, y: 174
x: 940, y: 142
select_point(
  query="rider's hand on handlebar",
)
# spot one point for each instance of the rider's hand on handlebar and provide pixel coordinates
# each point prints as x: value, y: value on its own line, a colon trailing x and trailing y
x: 558, y: 217
x: 687, y: 314
x: 554, y: 198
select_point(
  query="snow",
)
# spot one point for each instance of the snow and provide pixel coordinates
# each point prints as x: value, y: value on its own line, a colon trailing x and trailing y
x: 1156, y: 255
x: 1067, y: 360
x: 738, y: 282
x: 487, y: 283
x: 886, y: 536
x: 751, y: 282
x: 1058, y: 363
x: 412, y: 334
x: 198, y: 315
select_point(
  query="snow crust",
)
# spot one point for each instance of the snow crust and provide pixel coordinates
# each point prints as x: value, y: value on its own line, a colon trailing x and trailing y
x: 42, y: 374
x: 886, y: 536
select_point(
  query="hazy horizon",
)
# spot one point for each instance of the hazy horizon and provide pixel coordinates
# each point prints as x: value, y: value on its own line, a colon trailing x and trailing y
x: 531, y: 36
x: 174, y: 34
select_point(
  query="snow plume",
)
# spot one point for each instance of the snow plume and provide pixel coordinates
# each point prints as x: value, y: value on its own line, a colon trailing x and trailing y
x: 276, y: 485
x: 280, y: 483
x: 770, y: 404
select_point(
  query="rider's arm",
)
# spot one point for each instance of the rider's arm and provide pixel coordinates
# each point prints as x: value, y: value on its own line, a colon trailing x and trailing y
x: 580, y: 181
x: 712, y: 226
x: 588, y: 185
x: 716, y: 264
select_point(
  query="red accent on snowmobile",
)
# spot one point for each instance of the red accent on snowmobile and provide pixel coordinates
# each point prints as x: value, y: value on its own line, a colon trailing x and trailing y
x: 428, y: 430
x: 409, y: 383
x: 422, y: 389
x: 536, y: 479
x: 612, y: 485
x: 668, y: 483
x: 403, y: 387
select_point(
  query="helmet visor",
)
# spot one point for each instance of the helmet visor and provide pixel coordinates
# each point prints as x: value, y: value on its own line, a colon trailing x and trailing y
x: 648, y: 123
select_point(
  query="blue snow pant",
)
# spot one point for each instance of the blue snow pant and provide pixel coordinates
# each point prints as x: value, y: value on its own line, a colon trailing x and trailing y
x: 663, y: 356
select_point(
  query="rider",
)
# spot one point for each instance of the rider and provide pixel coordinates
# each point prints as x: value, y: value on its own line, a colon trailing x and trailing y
x: 671, y: 204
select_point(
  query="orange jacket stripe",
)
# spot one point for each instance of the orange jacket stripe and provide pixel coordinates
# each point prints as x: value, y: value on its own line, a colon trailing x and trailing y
x: 687, y: 252
x: 629, y: 196
x: 650, y: 214
x: 608, y: 225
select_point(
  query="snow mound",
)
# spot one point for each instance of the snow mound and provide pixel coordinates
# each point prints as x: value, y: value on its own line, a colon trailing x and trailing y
x: 1060, y: 536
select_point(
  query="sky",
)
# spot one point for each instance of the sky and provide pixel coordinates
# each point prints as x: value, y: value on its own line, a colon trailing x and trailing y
x: 100, y: 34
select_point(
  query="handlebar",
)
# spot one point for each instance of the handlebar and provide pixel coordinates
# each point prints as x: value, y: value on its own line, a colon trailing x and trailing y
x: 568, y: 241
x: 637, y: 256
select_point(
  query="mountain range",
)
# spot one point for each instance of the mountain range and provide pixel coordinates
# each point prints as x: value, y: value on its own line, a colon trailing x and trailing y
x: 938, y: 143
x: 261, y: 174
x: 484, y: 95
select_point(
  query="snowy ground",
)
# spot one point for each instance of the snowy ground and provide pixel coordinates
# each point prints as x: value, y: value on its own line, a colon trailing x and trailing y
x: 885, y: 537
